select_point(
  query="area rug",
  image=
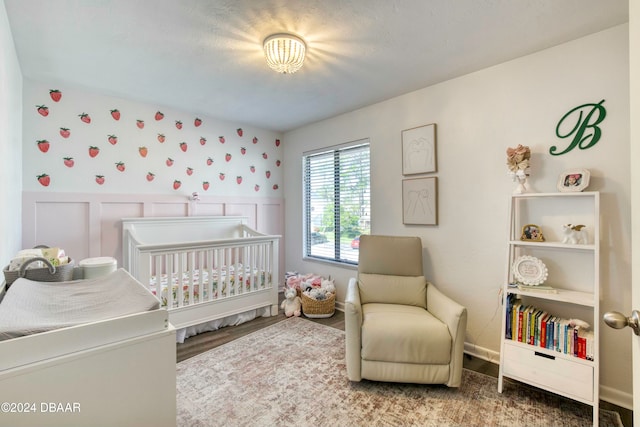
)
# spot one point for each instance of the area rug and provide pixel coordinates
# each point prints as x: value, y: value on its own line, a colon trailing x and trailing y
x: 293, y: 374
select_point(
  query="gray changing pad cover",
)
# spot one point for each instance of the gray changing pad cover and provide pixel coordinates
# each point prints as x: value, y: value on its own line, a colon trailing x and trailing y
x: 30, y: 307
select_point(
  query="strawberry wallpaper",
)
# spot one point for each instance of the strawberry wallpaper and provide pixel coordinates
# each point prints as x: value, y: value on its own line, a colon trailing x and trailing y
x: 78, y: 141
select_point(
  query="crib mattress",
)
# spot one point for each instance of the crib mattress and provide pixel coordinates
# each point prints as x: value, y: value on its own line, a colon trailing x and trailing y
x: 31, y: 307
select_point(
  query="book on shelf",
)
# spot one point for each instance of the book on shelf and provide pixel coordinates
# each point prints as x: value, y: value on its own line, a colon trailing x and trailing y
x: 510, y: 299
x: 589, y: 337
x: 526, y: 320
x: 538, y: 328
x: 521, y: 317
x: 540, y: 288
x: 534, y: 326
x: 582, y: 347
x: 543, y: 330
x: 514, y: 320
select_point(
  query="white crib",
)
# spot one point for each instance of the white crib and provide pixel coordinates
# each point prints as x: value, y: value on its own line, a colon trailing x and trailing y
x: 203, y: 268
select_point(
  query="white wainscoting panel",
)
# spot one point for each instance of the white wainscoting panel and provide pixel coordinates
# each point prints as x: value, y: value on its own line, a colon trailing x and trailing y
x: 89, y: 225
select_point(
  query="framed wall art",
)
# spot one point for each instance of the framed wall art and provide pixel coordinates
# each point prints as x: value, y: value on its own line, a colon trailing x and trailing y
x: 420, y: 201
x: 419, y: 150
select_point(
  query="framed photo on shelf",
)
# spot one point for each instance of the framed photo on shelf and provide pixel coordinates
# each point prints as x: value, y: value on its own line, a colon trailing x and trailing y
x: 529, y: 271
x: 420, y: 201
x: 573, y: 180
x: 532, y: 233
x: 419, y: 150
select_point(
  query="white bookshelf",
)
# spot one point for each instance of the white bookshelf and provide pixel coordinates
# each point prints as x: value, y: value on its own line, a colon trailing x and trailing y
x: 574, y: 273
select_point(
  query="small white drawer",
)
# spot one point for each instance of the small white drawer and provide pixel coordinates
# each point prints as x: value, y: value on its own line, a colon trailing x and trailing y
x: 556, y: 374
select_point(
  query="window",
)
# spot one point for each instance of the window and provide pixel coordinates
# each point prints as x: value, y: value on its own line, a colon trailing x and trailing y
x: 337, y: 201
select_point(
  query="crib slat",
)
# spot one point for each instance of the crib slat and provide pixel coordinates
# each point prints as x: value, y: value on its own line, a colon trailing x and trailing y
x: 261, y: 264
x: 190, y: 274
x: 200, y: 268
x: 168, y: 263
x: 216, y: 273
x: 229, y: 271
x: 209, y: 256
x: 239, y: 270
x: 252, y: 268
x: 222, y: 280
x: 184, y: 278
x: 176, y: 273
x: 229, y: 267
x: 255, y: 266
x: 238, y: 282
x: 246, y: 267
x: 269, y: 264
x: 175, y: 261
x: 156, y: 272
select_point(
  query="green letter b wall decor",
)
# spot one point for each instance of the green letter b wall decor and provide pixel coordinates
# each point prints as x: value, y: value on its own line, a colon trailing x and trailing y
x: 585, y: 132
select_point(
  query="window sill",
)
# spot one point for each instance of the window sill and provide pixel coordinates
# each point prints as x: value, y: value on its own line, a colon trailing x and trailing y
x: 330, y: 262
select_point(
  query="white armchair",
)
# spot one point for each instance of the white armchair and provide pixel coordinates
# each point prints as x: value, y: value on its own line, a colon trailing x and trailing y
x: 399, y: 327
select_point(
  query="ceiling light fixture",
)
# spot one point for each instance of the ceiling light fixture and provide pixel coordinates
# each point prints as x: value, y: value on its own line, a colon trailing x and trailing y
x: 284, y: 52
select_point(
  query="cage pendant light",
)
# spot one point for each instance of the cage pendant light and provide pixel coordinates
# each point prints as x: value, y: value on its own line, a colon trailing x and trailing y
x: 284, y: 52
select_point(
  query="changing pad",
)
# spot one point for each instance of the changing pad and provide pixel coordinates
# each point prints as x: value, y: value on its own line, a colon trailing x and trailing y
x: 31, y: 307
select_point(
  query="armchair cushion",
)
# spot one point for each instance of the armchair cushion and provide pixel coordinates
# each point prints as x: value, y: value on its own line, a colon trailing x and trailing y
x: 380, y: 288
x: 404, y: 334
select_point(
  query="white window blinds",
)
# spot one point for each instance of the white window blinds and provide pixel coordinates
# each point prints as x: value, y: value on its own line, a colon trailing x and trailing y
x: 337, y: 200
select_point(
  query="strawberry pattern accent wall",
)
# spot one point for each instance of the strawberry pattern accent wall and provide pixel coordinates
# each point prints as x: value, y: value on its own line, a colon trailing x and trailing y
x: 78, y: 141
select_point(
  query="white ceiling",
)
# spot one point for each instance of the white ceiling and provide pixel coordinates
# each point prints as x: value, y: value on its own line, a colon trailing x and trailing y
x: 206, y: 56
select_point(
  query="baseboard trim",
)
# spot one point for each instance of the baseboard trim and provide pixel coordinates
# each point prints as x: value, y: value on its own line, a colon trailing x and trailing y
x: 482, y: 353
x: 616, y: 397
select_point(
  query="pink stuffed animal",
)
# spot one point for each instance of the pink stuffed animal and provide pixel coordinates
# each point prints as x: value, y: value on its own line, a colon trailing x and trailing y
x: 294, y: 281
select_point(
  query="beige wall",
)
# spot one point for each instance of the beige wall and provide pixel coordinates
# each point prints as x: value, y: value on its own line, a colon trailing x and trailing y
x: 10, y: 141
x: 478, y: 116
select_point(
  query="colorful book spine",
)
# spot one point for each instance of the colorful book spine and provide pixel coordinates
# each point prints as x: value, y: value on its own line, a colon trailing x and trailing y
x: 514, y: 319
x: 543, y: 331
x: 520, y: 322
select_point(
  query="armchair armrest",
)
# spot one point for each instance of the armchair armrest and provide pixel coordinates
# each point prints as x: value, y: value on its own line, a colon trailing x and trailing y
x: 353, y: 324
x: 454, y: 316
x: 445, y: 309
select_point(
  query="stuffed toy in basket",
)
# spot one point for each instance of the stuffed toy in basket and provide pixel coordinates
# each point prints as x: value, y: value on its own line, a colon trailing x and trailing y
x: 319, y: 302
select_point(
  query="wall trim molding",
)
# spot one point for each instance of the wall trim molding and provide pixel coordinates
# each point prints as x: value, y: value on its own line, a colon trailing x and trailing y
x: 88, y: 225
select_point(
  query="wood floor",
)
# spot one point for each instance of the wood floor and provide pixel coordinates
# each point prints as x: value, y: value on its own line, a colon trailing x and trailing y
x: 208, y: 340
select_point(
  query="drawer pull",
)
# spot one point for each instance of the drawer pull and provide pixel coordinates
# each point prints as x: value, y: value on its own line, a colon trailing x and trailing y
x: 547, y: 356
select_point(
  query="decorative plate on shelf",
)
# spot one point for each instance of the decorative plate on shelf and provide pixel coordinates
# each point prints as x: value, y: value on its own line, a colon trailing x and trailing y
x: 529, y: 270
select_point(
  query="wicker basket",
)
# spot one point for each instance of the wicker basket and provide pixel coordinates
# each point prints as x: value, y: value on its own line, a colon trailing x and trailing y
x: 51, y: 273
x: 317, y: 309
